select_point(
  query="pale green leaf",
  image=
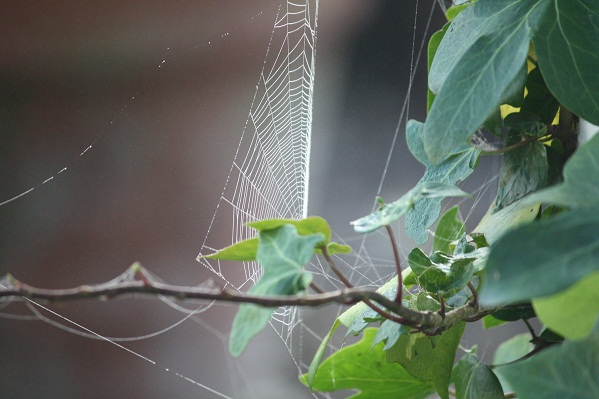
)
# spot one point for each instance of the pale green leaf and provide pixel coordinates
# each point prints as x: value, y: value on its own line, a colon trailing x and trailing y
x: 449, y: 229
x: 572, y: 312
x: 429, y: 358
x: 371, y: 375
x: 309, y: 377
x: 511, y: 350
x: 282, y: 253
x: 453, y: 169
x: 567, y: 371
x: 566, y: 40
x: 392, y: 212
x: 496, y: 223
x: 542, y: 258
x: 581, y: 180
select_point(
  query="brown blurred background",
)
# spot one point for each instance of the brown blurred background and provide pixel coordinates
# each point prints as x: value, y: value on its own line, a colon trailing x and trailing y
x: 163, y: 136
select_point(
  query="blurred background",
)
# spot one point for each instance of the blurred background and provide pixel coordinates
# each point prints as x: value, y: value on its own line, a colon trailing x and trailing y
x: 163, y: 136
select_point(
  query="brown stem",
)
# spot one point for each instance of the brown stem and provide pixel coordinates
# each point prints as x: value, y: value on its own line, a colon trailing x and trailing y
x: 316, y: 288
x: 474, y: 301
x: 516, y: 145
x: 397, y: 265
x: 334, y: 268
x: 430, y: 321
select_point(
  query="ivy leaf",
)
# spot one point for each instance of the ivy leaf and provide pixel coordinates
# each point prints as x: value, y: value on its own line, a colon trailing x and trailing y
x: 453, y: 169
x: 565, y: 39
x: 513, y: 349
x: 441, y: 274
x: 568, y: 371
x: 246, y: 250
x: 449, y: 229
x: 581, y: 180
x: 523, y: 170
x: 372, y: 376
x: 429, y: 358
x: 565, y: 248
x: 433, y: 45
x: 572, y: 312
x: 392, y: 212
x: 389, y: 332
x: 479, y: 57
x: 475, y: 380
x: 282, y: 253
x: 496, y: 223
x: 308, y: 378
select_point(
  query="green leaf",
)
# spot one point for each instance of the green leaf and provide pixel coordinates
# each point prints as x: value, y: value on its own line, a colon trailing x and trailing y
x: 475, y: 380
x: 433, y: 45
x: 566, y: 44
x: 477, y: 61
x: 453, y: 169
x: 441, y: 274
x: 571, y: 312
x: 491, y: 322
x: 523, y: 170
x: 581, y: 180
x: 389, y: 332
x: 513, y: 349
x: 539, y: 101
x: 246, y: 250
x: 429, y: 358
x: 568, y: 371
x: 449, y: 229
x: 392, y: 212
x: 496, y: 223
x: 542, y: 258
x: 309, y: 377
x: 372, y: 376
x: 241, y: 251
x: 523, y: 311
x: 282, y: 253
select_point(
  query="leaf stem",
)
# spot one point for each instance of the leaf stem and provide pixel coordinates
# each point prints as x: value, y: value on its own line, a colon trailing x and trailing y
x: 474, y: 301
x: 397, y: 265
x: 334, y: 268
x: 517, y: 145
x: 316, y: 288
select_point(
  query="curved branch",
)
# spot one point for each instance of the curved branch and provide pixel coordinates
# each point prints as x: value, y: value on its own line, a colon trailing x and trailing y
x: 144, y: 284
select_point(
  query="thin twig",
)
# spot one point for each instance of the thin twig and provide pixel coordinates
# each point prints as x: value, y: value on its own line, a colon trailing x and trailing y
x: 316, y: 288
x: 334, y: 268
x: 397, y: 264
x: 516, y: 145
x: 431, y: 321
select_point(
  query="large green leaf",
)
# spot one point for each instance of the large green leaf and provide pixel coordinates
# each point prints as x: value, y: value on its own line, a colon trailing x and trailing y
x: 572, y: 312
x: 282, y: 253
x: 523, y: 170
x: 513, y: 349
x: 581, y: 180
x: 453, y: 169
x: 539, y: 101
x: 365, y: 369
x: 475, y: 380
x: 477, y: 61
x: 568, y: 371
x: 441, y: 274
x: 566, y: 40
x: 429, y: 358
x: 542, y: 258
x: 389, y: 213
